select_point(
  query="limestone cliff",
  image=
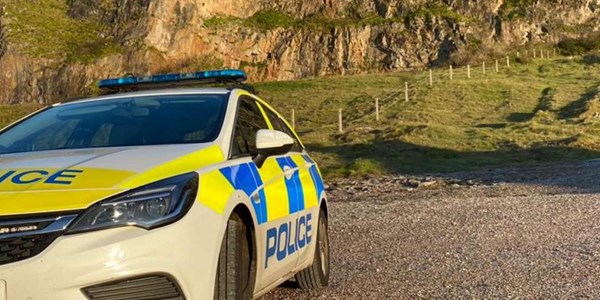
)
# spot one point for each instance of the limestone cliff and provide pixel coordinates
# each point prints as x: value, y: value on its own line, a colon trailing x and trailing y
x: 271, y: 39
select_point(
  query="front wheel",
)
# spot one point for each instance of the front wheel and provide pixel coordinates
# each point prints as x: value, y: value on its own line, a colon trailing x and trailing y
x: 317, y: 275
x: 236, y: 267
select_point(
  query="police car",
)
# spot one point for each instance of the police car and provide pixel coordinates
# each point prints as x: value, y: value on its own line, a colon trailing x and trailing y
x: 147, y: 193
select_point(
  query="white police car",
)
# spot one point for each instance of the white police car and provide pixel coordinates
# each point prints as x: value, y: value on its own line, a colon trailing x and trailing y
x: 160, y: 194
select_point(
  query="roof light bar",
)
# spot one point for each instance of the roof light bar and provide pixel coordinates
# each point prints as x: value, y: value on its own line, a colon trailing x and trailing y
x: 203, y: 77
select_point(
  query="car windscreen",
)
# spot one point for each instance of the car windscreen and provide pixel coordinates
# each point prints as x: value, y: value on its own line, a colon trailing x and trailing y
x: 135, y: 121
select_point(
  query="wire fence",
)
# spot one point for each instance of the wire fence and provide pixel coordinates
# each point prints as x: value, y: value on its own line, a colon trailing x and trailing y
x: 409, y: 90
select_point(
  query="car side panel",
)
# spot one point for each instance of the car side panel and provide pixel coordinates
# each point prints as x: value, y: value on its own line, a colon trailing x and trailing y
x: 276, y: 258
x: 275, y: 190
x: 315, y: 195
x: 311, y: 196
x: 288, y: 220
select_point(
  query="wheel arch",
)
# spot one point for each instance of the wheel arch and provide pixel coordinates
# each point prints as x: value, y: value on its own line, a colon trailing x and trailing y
x: 324, y: 207
x: 244, y: 213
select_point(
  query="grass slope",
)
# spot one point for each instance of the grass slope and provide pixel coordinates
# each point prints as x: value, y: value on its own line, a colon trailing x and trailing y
x: 541, y: 112
x: 43, y: 29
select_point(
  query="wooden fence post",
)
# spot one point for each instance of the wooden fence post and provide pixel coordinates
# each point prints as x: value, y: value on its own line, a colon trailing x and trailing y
x: 469, y: 71
x: 451, y: 72
x: 534, y: 55
x: 430, y: 78
x: 341, y: 126
x: 293, y: 119
x: 406, y: 91
x: 377, y: 109
x: 497, y: 68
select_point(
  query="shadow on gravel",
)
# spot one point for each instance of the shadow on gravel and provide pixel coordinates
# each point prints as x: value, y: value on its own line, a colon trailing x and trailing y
x: 395, y: 157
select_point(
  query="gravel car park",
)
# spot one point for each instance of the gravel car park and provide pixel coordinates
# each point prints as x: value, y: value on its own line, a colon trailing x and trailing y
x: 523, y: 233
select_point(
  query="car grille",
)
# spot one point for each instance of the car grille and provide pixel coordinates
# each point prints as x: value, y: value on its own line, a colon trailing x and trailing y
x: 20, y: 248
x: 151, y: 287
x: 21, y: 238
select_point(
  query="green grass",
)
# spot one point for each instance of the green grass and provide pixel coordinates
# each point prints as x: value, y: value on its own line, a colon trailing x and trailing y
x: 11, y: 113
x: 545, y: 111
x: 541, y: 112
x: 43, y: 29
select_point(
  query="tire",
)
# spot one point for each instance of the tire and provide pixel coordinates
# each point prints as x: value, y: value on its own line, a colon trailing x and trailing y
x: 317, y: 275
x: 237, y: 268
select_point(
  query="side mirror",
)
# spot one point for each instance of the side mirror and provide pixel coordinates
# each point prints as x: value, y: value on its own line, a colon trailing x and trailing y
x: 271, y: 143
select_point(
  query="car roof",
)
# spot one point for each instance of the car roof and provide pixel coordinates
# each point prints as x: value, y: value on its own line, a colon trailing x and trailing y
x: 160, y: 92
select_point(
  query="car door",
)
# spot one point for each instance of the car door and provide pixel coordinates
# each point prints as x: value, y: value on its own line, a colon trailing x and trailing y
x: 299, y: 167
x: 270, y: 199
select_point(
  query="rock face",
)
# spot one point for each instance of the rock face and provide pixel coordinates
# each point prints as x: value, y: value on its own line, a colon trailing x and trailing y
x: 285, y: 39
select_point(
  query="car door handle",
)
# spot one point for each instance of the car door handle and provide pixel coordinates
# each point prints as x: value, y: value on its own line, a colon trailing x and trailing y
x: 288, y: 172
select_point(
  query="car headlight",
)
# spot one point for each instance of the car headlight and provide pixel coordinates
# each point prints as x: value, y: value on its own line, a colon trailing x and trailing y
x: 148, y: 207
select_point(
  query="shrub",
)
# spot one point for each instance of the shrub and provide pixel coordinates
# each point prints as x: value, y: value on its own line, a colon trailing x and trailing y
x: 514, y: 9
x: 270, y: 19
x: 523, y: 60
x: 580, y: 46
x: 264, y: 20
x: 592, y: 59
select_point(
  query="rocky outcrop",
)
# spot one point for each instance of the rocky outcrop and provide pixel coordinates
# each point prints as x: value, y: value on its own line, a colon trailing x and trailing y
x: 294, y: 39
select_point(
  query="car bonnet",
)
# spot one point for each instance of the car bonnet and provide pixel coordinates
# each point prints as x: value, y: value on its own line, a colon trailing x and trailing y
x: 67, y: 180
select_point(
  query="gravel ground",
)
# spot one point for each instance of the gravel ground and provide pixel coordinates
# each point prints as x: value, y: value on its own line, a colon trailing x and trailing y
x: 515, y: 233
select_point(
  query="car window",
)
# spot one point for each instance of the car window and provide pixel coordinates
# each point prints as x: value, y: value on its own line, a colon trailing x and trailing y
x: 249, y: 121
x: 133, y: 121
x: 279, y: 125
x: 274, y: 120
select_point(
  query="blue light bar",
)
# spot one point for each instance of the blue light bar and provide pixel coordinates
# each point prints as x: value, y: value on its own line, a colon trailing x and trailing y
x: 166, y: 79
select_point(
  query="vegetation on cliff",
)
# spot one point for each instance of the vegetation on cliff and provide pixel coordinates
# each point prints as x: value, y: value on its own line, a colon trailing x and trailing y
x: 272, y: 19
x: 42, y: 29
x: 513, y: 9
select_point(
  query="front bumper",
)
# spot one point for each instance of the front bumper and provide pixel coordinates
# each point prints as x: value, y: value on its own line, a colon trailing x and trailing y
x: 186, y: 251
